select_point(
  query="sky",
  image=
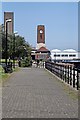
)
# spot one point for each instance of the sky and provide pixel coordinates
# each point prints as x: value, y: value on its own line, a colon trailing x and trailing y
x: 60, y: 20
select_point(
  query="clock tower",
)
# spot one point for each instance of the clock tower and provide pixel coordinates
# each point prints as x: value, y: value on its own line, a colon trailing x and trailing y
x: 40, y: 36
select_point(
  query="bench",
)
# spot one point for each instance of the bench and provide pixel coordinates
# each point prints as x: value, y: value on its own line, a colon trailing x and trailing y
x: 8, y: 68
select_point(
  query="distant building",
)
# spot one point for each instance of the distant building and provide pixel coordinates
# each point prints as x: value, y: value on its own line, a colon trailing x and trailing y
x: 33, y: 53
x: 40, y: 36
x: 9, y: 15
x: 40, y: 52
x: 65, y: 55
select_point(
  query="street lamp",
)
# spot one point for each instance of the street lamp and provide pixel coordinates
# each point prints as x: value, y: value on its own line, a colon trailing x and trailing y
x: 8, y: 20
x: 14, y: 49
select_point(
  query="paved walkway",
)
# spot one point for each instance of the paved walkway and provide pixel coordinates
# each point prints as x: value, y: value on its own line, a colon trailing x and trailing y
x: 35, y: 93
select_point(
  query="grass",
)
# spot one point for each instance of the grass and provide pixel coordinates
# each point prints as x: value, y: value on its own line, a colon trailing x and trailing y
x: 16, y: 69
x: 3, y: 60
x: 4, y: 76
x: 71, y: 92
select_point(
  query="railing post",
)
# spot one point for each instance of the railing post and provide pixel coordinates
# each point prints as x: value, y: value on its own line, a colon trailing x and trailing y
x: 54, y: 69
x: 61, y: 72
x: 45, y: 64
x: 51, y: 66
x: 73, y: 77
x: 77, y: 79
x: 65, y: 73
x: 70, y: 75
x: 58, y: 70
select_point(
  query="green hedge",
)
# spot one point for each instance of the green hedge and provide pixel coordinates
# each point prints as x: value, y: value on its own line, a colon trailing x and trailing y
x: 26, y: 62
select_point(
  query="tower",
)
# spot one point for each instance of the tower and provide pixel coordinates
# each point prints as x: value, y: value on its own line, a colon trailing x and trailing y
x: 9, y: 15
x: 40, y: 36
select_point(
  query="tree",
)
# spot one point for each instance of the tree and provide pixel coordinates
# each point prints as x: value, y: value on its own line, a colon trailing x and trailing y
x: 22, y: 48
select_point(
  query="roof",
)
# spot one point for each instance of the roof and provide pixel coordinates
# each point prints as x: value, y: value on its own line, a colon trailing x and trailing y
x: 55, y: 50
x: 34, y: 49
x: 42, y: 49
x: 69, y: 50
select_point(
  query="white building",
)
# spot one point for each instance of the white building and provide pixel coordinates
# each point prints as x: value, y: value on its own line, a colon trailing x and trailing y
x: 65, y: 55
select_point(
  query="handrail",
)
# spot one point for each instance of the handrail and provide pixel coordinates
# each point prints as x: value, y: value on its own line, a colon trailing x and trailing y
x: 67, y: 72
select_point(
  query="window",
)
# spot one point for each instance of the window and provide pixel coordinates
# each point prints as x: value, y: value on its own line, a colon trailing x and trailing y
x: 64, y: 55
x: 57, y: 55
x: 72, y: 55
x: 54, y: 55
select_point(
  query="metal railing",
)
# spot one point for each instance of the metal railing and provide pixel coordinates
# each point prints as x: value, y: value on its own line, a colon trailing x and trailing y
x: 67, y: 72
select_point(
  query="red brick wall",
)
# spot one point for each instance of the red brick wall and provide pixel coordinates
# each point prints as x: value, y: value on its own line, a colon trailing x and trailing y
x: 9, y: 15
x: 40, y: 36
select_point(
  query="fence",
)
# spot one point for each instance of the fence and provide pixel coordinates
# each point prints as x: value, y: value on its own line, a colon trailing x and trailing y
x: 67, y: 72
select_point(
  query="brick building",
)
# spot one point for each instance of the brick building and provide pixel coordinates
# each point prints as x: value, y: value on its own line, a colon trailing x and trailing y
x: 40, y: 36
x: 10, y: 28
x: 41, y: 52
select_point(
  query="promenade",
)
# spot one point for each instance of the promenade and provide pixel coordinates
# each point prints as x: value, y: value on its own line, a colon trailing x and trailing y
x: 35, y: 93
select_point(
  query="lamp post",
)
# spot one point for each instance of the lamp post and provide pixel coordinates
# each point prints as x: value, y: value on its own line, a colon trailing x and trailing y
x: 14, y: 49
x: 6, y: 56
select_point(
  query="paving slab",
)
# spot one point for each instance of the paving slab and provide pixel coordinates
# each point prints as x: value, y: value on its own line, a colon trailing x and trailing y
x: 35, y: 93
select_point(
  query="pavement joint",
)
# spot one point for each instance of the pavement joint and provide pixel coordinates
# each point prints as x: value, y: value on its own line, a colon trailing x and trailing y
x: 32, y: 93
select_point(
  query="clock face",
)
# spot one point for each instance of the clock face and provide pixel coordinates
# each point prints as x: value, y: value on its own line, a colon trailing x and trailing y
x: 41, y: 31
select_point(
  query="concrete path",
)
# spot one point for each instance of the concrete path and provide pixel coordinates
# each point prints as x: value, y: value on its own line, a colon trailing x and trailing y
x: 35, y: 93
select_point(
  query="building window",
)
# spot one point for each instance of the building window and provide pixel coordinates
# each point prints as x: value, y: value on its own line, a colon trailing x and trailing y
x: 57, y: 55
x: 64, y: 55
x: 54, y: 55
x: 72, y: 55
